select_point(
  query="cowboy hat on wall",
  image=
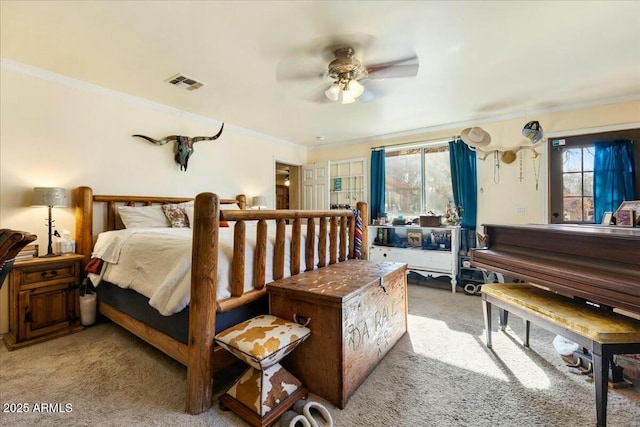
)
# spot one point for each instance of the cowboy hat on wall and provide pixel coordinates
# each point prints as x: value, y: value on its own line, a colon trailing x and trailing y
x: 475, y: 137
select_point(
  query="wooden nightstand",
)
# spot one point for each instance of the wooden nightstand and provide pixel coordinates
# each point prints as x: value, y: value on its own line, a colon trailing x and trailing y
x: 43, y: 300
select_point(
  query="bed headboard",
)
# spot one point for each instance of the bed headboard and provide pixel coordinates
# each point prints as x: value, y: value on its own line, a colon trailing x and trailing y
x: 84, y: 213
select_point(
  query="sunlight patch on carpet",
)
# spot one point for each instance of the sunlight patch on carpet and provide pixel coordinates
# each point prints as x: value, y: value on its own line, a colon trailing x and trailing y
x: 518, y: 360
x: 434, y: 339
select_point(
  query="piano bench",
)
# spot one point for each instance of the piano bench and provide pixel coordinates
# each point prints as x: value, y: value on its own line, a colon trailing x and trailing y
x: 603, y: 332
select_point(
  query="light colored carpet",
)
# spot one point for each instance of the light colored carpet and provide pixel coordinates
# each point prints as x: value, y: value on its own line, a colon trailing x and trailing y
x: 440, y: 374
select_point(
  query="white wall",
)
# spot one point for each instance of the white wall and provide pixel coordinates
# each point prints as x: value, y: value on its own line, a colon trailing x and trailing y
x: 64, y: 133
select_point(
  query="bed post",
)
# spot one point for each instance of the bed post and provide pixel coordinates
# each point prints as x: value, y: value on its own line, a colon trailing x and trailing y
x: 242, y: 201
x: 202, y: 310
x: 364, y: 215
x: 84, y: 222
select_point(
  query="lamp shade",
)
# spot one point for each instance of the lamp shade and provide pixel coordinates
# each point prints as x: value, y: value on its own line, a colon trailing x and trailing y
x: 49, y: 196
x: 356, y: 88
x: 333, y: 92
x: 347, y: 98
x: 258, y: 202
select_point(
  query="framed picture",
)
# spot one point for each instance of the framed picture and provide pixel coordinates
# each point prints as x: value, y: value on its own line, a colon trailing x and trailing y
x: 414, y: 239
x: 633, y: 205
x: 625, y: 218
x: 606, y: 219
x: 337, y: 184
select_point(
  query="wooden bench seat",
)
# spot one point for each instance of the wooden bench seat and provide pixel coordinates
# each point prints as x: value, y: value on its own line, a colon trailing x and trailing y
x: 603, y: 332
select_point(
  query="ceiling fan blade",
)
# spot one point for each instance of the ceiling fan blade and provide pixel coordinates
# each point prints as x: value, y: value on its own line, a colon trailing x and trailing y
x: 403, y: 68
x: 316, y: 95
x: 288, y: 74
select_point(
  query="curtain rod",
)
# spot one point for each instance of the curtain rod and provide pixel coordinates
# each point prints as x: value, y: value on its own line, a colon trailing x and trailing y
x: 415, y: 142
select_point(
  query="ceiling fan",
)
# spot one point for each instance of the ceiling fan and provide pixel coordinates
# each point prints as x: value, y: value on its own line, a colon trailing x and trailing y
x: 346, y: 77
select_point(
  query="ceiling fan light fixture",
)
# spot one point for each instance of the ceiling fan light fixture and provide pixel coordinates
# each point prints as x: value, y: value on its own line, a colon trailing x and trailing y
x: 347, y: 97
x: 355, y: 88
x: 333, y: 92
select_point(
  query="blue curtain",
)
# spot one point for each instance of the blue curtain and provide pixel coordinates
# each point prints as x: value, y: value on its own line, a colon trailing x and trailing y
x: 377, y: 183
x: 464, y: 181
x: 613, y: 176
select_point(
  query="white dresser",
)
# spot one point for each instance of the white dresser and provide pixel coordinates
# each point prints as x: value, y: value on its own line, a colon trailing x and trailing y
x: 429, y: 251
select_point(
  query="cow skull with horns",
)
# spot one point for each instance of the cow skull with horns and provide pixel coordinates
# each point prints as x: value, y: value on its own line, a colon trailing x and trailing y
x: 184, y: 145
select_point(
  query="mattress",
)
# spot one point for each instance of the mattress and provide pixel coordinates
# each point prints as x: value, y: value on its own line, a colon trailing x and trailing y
x: 176, y: 326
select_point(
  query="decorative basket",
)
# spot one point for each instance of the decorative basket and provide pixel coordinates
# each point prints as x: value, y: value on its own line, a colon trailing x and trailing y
x: 430, y: 220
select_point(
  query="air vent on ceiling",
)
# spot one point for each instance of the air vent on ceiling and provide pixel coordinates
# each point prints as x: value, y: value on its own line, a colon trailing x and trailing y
x: 181, y: 80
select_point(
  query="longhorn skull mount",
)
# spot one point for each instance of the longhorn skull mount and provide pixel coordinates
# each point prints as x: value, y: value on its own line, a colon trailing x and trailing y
x: 184, y: 145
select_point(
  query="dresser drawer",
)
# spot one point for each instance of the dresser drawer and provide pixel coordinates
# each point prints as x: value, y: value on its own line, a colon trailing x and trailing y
x: 52, y: 272
x: 440, y: 261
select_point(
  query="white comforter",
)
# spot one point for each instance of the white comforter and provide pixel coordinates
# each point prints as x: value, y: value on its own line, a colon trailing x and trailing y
x: 156, y: 262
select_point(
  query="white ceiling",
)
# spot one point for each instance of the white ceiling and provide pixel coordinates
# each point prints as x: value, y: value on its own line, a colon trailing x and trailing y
x: 478, y: 60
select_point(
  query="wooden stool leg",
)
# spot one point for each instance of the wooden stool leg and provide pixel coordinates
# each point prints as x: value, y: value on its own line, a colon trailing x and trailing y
x: 486, y: 309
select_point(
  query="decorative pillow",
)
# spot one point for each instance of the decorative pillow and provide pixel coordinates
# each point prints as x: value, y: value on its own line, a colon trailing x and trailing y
x: 262, y: 341
x: 176, y: 215
x: 143, y: 216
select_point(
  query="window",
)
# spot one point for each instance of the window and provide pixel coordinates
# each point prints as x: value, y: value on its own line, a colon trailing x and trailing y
x: 418, y: 180
x: 577, y: 184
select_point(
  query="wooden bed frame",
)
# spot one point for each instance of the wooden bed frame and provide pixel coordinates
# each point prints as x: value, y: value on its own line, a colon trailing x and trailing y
x: 200, y: 356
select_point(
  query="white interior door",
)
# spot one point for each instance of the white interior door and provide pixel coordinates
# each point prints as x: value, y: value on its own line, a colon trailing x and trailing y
x: 315, y: 186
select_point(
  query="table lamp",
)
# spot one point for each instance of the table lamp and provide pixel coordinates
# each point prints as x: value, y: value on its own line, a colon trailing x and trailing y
x: 50, y: 197
x: 258, y: 202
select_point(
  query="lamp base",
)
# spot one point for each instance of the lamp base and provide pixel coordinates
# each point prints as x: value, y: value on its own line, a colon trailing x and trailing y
x: 49, y: 256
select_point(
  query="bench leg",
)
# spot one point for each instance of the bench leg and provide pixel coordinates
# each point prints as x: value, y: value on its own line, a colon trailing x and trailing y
x: 600, y: 358
x: 486, y: 310
x: 527, y: 327
x: 504, y: 319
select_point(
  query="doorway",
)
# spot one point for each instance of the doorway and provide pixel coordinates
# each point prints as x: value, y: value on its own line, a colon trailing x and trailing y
x: 571, y: 174
x: 287, y: 187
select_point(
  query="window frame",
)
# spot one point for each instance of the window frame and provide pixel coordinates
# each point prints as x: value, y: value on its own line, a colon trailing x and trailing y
x: 422, y: 147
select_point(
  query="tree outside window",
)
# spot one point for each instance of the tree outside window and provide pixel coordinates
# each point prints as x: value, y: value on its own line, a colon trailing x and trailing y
x: 418, y: 180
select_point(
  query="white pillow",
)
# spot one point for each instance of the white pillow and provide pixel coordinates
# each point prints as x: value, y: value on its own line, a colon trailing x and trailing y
x: 188, y: 210
x: 143, y: 216
x: 230, y: 207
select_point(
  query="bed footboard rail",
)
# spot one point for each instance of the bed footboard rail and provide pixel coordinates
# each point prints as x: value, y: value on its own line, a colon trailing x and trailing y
x: 337, y: 228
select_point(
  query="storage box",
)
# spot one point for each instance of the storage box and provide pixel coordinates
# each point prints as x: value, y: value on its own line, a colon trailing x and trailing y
x: 630, y: 364
x: 357, y: 311
x: 430, y: 221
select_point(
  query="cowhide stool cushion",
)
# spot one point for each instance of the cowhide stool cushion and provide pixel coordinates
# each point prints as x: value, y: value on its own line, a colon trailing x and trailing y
x: 266, y: 389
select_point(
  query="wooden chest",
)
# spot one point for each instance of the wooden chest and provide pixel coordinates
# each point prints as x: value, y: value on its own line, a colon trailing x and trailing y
x: 357, y: 311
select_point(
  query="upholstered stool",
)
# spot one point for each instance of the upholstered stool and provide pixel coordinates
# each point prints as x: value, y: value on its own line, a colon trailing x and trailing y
x: 266, y: 389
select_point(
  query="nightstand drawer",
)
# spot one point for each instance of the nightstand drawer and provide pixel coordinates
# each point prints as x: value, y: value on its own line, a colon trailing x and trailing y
x: 47, y: 273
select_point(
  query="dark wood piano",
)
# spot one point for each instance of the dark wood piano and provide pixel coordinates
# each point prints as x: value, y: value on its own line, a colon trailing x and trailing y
x: 600, y: 264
